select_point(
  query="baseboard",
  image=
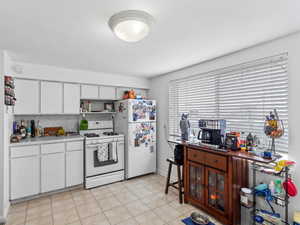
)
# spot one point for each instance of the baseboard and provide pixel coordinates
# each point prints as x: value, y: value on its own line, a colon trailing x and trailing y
x: 162, y: 172
x: 6, y: 210
x: 2, y: 220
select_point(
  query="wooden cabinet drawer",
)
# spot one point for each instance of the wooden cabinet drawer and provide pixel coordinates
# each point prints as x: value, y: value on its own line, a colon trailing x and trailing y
x: 216, y: 161
x: 195, y: 155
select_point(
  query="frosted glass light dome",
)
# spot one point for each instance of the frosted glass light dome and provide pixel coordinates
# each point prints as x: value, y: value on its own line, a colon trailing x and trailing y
x: 131, y: 25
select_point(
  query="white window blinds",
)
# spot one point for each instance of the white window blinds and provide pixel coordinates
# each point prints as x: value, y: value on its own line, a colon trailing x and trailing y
x: 242, y: 94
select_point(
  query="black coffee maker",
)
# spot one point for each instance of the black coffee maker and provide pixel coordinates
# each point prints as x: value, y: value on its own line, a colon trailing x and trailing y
x: 210, y: 136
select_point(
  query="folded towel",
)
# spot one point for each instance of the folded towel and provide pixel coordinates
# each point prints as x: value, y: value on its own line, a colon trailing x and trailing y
x: 102, y: 152
x: 113, y: 152
x: 188, y: 221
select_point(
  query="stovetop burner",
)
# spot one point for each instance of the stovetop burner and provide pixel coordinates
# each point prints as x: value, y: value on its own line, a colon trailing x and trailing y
x: 89, y: 135
x: 110, y: 133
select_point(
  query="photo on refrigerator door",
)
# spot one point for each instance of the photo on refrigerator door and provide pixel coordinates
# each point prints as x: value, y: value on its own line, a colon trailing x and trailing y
x: 142, y: 134
x: 142, y: 110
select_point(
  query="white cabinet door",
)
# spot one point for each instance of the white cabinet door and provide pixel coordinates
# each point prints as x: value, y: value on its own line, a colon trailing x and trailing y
x: 89, y: 91
x: 52, y: 172
x: 107, y: 93
x: 71, y: 98
x: 74, y: 168
x: 51, y: 97
x: 27, y: 95
x: 25, y: 177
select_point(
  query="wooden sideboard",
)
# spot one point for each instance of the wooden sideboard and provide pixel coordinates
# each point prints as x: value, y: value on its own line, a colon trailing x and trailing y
x: 212, y: 182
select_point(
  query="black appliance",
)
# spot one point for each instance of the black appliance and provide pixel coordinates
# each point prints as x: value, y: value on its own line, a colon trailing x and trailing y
x: 232, y: 142
x: 210, y: 136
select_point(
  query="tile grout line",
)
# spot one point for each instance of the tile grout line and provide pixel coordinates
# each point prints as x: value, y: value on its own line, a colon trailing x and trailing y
x: 51, y: 208
x: 80, y: 221
x: 26, y: 210
x: 100, y: 208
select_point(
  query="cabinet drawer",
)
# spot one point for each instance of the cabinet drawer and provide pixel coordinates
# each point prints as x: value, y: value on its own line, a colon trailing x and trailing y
x: 74, y: 145
x: 52, y: 148
x: 216, y: 161
x: 195, y: 155
x: 24, y: 151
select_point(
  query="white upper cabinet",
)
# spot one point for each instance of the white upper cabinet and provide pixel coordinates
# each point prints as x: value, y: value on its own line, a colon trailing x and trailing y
x: 71, y: 98
x: 107, y: 93
x: 27, y: 95
x: 89, y: 91
x: 51, y: 97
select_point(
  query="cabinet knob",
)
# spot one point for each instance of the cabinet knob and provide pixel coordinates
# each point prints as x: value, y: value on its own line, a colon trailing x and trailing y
x: 215, y: 161
x: 195, y: 155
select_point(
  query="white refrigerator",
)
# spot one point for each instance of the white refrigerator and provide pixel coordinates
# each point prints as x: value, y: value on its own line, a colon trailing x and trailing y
x: 136, y: 119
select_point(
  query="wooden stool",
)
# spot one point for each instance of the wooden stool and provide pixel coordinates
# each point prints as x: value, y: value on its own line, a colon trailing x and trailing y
x: 179, y: 180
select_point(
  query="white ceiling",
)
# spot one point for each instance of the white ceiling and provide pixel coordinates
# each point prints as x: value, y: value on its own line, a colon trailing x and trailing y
x: 75, y: 34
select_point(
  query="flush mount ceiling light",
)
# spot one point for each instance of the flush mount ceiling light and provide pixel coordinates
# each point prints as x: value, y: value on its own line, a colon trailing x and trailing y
x: 131, y: 25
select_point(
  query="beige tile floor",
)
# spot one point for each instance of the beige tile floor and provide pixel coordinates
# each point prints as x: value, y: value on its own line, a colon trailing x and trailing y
x: 139, y: 201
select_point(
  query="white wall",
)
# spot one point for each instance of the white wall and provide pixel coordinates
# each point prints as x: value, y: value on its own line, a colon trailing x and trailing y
x: 290, y: 44
x: 5, y: 116
x: 45, y: 72
x: 1, y: 136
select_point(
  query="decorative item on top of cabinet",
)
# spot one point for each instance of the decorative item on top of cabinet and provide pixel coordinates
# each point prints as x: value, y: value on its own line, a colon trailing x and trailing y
x: 139, y: 92
x: 9, y: 91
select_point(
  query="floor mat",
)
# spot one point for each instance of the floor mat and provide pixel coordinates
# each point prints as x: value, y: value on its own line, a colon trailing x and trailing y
x: 188, y: 221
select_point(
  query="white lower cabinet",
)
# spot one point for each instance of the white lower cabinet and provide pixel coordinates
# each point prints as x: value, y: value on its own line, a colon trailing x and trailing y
x: 74, y: 168
x: 25, y: 177
x: 40, y: 168
x: 52, y: 172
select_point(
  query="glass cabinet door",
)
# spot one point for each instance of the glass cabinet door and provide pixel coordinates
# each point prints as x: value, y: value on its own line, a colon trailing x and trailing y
x: 196, y: 181
x: 216, y: 189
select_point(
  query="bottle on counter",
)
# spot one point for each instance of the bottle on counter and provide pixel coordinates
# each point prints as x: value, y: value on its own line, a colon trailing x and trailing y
x: 23, y: 130
x: 15, y: 127
x: 32, y: 126
x: 28, y: 128
x: 38, y: 130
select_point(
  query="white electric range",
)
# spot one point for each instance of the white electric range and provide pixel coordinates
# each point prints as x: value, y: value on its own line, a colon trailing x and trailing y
x: 103, y: 155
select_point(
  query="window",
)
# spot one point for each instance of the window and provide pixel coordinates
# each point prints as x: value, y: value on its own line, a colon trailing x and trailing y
x: 242, y: 95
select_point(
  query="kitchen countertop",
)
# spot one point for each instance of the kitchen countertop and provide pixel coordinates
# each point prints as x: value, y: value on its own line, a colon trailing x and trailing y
x: 238, y: 154
x: 44, y: 140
